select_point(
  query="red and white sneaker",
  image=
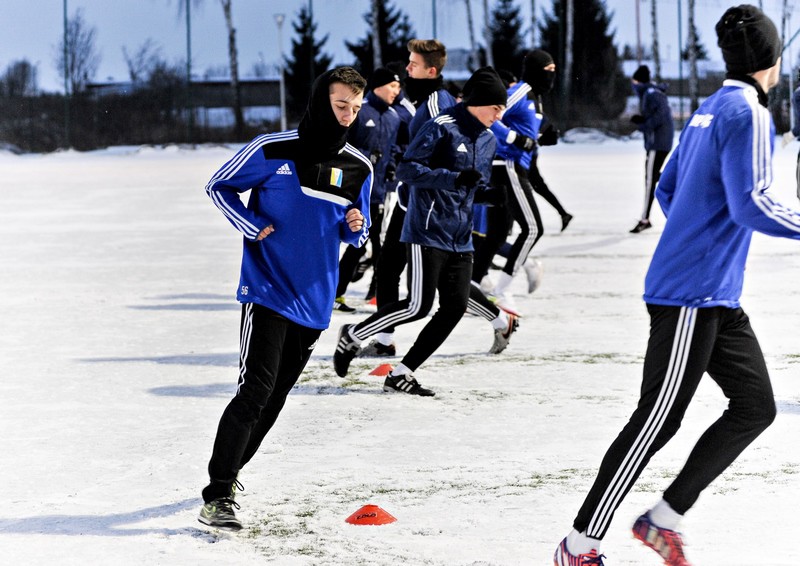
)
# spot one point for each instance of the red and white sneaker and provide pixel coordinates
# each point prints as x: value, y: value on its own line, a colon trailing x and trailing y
x: 667, y: 543
x: 563, y: 557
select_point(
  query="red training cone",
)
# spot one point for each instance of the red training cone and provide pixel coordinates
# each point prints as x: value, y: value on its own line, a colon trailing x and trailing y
x: 370, y: 515
x: 382, y: 370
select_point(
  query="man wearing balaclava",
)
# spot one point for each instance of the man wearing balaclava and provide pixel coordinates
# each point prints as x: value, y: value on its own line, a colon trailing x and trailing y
x: 308, y: 188
x: 516, y: 134
x: 715, y: 192
x: 655, y: 122
x: 446, y: 164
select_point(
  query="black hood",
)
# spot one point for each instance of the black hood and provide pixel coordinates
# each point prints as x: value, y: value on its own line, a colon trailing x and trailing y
x: 320, y: 133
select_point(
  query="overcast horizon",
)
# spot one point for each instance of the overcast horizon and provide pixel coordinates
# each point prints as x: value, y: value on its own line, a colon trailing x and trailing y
x: 33, y: 29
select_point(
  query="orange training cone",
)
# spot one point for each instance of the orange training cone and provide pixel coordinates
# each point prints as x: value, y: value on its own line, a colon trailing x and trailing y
x: 370, y: 515
x: 382, y: 370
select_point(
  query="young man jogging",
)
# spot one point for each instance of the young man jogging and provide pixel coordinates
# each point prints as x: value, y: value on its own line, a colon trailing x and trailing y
x: 655, y: 122
x: 307, y: 190
x: 446, y: 164
x: 715, y: 193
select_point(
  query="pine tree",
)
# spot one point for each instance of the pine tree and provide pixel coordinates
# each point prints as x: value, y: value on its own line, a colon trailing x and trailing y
x: 394, y: 32
x: 505, y: 30
x: 598, y: 88
x: 304, y: 64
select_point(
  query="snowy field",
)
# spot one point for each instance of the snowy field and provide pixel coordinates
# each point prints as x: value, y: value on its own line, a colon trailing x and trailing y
x: 118, y: 353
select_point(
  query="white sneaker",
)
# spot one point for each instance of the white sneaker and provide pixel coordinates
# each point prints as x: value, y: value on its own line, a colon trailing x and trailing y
x: 534, y: 270
x: 504, y: 302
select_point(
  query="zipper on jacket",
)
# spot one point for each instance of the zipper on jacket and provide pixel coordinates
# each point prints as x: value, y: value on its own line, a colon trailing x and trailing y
x: 428, y: 217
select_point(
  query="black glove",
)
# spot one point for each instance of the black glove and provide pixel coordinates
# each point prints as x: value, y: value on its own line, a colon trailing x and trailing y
x: 468, y: 178
x: 637, y: 119
x: 375, y: 156
x: 524, y: 142
x: 549, y: 136
x: 391, y: 173
x: 491, y: 196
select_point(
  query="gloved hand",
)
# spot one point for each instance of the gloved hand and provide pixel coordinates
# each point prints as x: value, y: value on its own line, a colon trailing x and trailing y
x: 375, y: 156
x: 637, y: 119
x: 468, y: 178
x: 788, y: 138
x: 549, y: 136
x: 391, y: 173
x: 524, y: 142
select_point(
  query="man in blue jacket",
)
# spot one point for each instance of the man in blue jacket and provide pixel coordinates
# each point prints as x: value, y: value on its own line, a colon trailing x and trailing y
x: 655, y: 122
x: 307, y: 190
x: 715, y: 192
x: 446, y: 164
x: 794, y: 134
x: 374, y: 133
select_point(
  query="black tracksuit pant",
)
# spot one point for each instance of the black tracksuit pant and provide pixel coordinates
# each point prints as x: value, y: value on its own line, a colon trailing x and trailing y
x: 391, y: 262
x: 351, y: 256
x: 429, y: 270
x: 684, y: 344
x: 652, y: 173
x: 273, y: 353
x: 520, y: 207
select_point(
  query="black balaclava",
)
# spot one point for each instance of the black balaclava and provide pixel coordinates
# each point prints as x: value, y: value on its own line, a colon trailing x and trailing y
x: 320, y: 132
x: 533, y: 72
x: 417, y: 90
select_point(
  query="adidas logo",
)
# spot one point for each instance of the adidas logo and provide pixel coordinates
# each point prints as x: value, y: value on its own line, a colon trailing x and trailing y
x: 462, y: 148
x: 370, y: 123
x: 284, y: 170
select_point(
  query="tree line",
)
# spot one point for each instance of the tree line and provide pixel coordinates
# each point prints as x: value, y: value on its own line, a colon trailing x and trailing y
x: 592, y: 90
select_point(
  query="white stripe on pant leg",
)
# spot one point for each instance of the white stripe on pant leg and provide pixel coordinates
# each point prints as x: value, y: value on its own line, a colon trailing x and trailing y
x: 414, y: 298
x: 527, y: 213
x: 244, y: 343
x: 648, y: 179
x: 623, y: 478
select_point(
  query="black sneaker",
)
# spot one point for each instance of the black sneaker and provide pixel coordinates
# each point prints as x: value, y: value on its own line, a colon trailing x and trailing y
x: 377, y: 350
x: 565, y: 220
x: 341, y: 306
x: 405, y: 384
x: 641, y: 226
x: 346, y: 350
x: 219, y: 514
x: 361, y: 269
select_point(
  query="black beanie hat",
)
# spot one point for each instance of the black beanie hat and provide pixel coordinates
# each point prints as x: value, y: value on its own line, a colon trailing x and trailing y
x: 484, y: 88
x: 642, y: 74
x: 381, y: 76
x: 748, y: 39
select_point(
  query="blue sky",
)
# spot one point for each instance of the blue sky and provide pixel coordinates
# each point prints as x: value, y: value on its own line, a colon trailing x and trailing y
x: 31, y: 29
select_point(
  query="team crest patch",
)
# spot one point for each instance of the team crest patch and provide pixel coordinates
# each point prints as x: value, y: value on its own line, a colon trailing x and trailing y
x: 336, y: 177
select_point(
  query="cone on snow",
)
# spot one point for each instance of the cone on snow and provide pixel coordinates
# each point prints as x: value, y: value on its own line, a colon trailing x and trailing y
x: 370, y: 515
x: 382, y: 370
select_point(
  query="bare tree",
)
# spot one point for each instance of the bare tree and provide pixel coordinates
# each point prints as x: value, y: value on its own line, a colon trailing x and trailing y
x: 692, y: 52
x: 656, y: 54
x: 142, y: 62
x: 377, y: 56
x: 473, y: 46
x: 80, y: 51
x: 18, y: 80
x: 487, y: 33
x: 233, y: 60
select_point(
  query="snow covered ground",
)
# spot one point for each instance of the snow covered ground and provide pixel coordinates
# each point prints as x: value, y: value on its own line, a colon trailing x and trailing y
x: 118, y: 353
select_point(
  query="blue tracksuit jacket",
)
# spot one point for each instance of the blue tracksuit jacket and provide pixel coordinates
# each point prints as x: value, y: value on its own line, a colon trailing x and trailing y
x: 658, y: 129
x: 439, y: 213
x: 524, y: 118
x: 714, y: 191
x: 294, y: 270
